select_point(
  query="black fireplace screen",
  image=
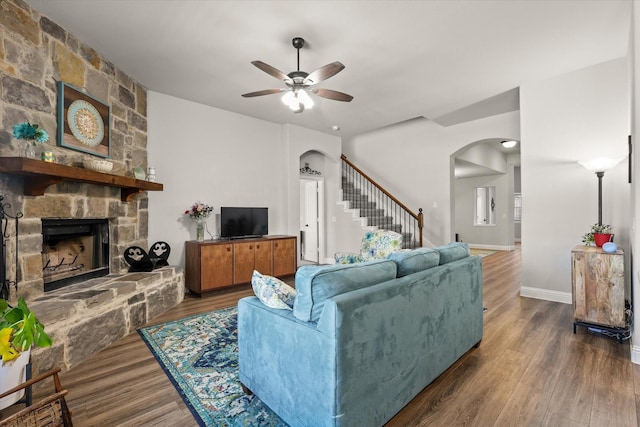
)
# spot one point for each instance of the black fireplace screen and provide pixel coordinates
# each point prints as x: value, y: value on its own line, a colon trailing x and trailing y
x: 74, y: 250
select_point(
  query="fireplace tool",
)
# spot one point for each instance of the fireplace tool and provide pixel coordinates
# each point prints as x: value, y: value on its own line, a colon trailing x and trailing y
x: 5, y: 283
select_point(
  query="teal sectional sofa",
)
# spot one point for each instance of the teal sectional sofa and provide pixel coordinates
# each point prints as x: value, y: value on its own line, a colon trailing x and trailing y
x: 362, y: 339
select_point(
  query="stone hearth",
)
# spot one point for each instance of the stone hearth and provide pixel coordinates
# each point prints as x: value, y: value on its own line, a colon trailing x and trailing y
x: 85, y: 318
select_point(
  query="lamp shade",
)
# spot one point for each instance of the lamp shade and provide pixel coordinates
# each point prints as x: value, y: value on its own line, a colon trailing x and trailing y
x: 601, y: 164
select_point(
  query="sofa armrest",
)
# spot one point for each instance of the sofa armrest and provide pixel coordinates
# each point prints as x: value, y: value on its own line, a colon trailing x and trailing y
x: 286, y: 363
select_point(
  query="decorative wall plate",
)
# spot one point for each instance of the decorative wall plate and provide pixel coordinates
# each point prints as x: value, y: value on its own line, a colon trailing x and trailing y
x: 86, y: 123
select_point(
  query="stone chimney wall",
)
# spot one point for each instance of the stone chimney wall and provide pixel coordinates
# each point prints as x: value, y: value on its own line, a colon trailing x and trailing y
x: 36, y: 53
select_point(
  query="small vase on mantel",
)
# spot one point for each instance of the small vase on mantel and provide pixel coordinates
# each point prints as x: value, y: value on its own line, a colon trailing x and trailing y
x: 29, y: 151
x: 200, y: 223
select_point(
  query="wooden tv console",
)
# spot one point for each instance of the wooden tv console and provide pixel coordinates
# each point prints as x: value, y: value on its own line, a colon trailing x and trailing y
x: 217, y: 264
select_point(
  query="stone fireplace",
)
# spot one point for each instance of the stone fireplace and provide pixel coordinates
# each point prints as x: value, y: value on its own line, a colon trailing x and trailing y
x: 71, y: 270
x: 73, y: 251
x: 83, y: 317
x: 48, y: 220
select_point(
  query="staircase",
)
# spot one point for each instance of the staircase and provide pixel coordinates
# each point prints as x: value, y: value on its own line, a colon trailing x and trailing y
x: 378, y: 207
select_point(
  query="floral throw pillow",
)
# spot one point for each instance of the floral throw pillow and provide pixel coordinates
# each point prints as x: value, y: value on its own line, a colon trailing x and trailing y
x: 272, y: 291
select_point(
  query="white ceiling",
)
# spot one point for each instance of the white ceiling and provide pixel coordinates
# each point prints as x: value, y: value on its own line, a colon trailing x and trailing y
x: 448, y: 61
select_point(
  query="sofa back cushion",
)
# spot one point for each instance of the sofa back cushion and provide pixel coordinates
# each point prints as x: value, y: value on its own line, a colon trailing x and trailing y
x: 415, y: 260
x: 315, y: 284
x: 453, y: 252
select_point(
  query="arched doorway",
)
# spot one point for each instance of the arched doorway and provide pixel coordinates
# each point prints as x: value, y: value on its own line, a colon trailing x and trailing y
x: 312, y: 209
x: 486, y: 185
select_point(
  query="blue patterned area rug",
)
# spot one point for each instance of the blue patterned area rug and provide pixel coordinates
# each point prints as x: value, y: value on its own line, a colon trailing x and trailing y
x: 481, y: 252
x: 199, y: 354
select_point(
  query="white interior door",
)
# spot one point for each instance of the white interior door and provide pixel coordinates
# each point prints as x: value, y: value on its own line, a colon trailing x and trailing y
x: 309, y: 224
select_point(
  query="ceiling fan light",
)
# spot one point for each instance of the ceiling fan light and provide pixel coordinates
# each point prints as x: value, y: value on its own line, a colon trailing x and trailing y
x: 305, y: 99
x: 289, y: 98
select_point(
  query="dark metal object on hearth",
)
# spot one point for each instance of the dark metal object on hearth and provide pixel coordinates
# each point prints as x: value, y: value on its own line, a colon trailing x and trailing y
x: 141, y: 261
x: 5, y: 283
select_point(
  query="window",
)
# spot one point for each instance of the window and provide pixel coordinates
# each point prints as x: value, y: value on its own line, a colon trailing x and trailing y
x: 517, y: 206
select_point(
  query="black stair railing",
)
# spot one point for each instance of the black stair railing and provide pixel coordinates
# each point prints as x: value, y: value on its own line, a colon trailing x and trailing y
x: 380, y: 207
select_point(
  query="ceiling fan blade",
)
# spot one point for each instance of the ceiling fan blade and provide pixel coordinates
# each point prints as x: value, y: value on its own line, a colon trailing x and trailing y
x: 262, y: 92
x: 272, y: 71
x: 323, y: 73
x: 333, y: 94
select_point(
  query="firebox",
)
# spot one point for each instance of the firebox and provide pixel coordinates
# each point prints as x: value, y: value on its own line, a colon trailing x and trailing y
x: 74, y: 250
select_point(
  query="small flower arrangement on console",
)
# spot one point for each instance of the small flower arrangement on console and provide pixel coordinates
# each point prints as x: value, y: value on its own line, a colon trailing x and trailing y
x: 199, y: 210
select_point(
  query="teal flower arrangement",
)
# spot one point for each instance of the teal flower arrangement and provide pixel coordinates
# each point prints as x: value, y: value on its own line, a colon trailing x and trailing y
x: 30, y: 132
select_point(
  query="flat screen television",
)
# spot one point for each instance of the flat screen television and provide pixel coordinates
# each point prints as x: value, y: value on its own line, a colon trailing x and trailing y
x: 237, y: 223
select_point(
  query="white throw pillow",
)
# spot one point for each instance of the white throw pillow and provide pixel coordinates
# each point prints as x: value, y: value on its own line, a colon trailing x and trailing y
x: 272, y: 291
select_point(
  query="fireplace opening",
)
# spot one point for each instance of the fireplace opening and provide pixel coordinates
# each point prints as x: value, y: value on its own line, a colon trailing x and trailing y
x: 74, y: 250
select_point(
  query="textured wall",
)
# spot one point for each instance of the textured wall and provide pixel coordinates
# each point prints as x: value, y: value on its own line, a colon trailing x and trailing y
x: 36, y: 53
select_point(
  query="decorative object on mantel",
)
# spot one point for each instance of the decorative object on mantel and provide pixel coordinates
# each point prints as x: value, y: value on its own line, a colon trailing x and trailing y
x: 20, y: 330
x: 200, y: 212
x: 599, y: 235
x: 32, y: 135
x: 47, y: 156
x: 5, y: 283
x: 98, y: 165
x: 151, y: 174
x: 139, y: 260
x: 306, y: 170
x: 42, y: 175
x: 83, y: 122
x: 138, y: 173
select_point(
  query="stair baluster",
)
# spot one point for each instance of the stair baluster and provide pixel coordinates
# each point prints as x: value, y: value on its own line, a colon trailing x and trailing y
x: 381, y: 209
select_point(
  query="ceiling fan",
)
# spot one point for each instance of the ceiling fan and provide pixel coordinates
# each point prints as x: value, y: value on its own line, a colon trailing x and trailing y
x: 299, y: 83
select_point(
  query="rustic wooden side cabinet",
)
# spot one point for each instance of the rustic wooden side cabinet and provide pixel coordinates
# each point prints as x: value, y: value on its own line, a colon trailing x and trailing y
x: 215, y: 264
x: 598, y: 291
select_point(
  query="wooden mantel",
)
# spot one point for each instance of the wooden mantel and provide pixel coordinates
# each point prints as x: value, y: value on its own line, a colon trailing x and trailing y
x: 38, y: 175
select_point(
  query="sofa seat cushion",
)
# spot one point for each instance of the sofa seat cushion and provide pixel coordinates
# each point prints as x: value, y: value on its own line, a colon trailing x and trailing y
x: 415, y: 260
x: 316, y: 284
x: 272, y: 291
x: 453, y: 252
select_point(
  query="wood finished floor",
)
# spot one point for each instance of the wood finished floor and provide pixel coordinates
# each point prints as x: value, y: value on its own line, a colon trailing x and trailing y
x: 530, y: 370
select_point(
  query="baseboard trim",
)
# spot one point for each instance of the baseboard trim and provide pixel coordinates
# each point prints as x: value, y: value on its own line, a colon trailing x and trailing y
x: 546, y: 294
x: 635, y: 354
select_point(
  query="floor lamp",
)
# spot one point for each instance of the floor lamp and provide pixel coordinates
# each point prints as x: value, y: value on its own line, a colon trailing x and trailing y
x: 599, y: 166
